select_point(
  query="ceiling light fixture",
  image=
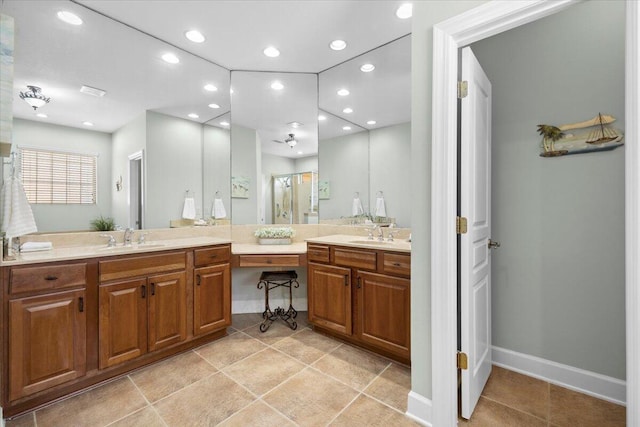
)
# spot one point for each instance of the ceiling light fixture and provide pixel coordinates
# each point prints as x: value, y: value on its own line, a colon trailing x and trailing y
x: 299, y: 152
x: 404, y: 11
x: 348, y: 110
x: 277, y: 86
x: 209, y: 87
x: 271, y: 52
x: 170, y: 58
x: 193, y: 115
x: 87, y: 124
x: 224, y: 123
x: 346, y: 127
x: 214, y: 106
x: 367, y: 68
x: 42, y: 115
x: 321, y: 117
x: 371, y: 122
x: 195, y: 36
x: 94, y: 91
x: 291, y: 141
x: 338, y: 44
x: 34, y: 97
x: 343, y: 92
x: 295, y: 125
x: 69, y: 18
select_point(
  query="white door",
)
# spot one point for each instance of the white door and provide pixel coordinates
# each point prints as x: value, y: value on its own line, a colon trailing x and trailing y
x: 475, y: 256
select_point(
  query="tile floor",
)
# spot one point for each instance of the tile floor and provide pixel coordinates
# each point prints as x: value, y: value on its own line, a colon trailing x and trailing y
x: 299, y: 378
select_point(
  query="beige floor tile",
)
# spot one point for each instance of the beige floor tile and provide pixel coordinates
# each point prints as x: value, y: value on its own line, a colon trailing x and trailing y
x: 263, y: 371
x: 492, y: 414
x: 518, y: 391
x: 392, y: 386
x: 276, y: 332
x: 27, y: 420
x: 353, y: 366
x: 307, y: 346
x: 168, y: 376
x: 230, y: 349
x: 569, y: 408
x: 204, y: 403
x: 96, y: 407
x: 146, y: 417
x: 365, y: 411
x: 310, y: 398
x: 258, y: 414
x: 245, y: 320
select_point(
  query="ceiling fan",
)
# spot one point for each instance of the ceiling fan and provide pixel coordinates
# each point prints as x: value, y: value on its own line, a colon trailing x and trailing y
x: 291, y: 141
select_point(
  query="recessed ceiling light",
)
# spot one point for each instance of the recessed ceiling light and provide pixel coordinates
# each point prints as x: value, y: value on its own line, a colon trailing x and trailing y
x: 346, y: 127
x: 348, y: 110
x: 295, y: 124
x: 321, y: 117
x: 224, y: 123
x: 193, y: 115
x: 367, y: 68
x: 371, y: 122
x: 210, y: 87
x: 343, y: 92
x: 69, y: 18
x: 94, y: 91
x: 271, y: 52
x: 299, y: 152
x: 42, y: 115
x: 405, y: 11
x: 170, y: 58
x: 338, y: 44
x: 214, y: 106
x: 277, y: 86
x: 195, y: 36
x: 87, y: 123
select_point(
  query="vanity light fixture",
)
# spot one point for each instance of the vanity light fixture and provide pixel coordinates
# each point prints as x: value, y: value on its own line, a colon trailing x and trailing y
x: 195, y: 36
x: 34, y: 97
x: 210, y: 88
x: 271, y: 52
x: 87, y: 124
x: 404, y: 11
x: 367, y: 68
x: 346, y: 127
x: 193, y: 115
x: 214, y: 106
x: 321, y: 117
x: 348, y: 110
x: 338, y: 44
x: 69, y: 18
x: 343, y: 92
x: 371, y: 122
x: 170, y: 58
x: 277, y: 86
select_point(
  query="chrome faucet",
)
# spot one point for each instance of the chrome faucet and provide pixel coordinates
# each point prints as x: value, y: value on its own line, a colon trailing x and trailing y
x: 128, y: 234
x: 380, y: 234
x: 112, y: 241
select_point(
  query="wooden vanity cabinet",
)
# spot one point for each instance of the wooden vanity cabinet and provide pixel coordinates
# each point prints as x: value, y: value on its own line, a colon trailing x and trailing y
x: 363, y: 295
x: 211, y: 290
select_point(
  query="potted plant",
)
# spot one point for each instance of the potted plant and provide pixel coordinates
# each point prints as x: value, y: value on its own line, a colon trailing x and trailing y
x: 103, y: 224
x: 274, y: 235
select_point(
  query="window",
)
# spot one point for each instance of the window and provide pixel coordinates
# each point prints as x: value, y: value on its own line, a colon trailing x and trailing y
x: 57, y: 177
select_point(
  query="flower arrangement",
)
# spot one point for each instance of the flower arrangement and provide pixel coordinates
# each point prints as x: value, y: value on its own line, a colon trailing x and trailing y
x: 275, y: 233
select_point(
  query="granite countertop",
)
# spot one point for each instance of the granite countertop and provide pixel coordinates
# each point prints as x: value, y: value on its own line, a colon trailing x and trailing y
x: 398, y: 245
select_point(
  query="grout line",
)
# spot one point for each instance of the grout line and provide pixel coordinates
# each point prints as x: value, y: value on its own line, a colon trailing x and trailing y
x: 277, y: 411
x: 153, y: 408
x: 515, y: 409
x: 344, y: 409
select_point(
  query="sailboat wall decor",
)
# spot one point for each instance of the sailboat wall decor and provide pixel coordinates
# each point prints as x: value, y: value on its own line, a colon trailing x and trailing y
x: 589, y: 136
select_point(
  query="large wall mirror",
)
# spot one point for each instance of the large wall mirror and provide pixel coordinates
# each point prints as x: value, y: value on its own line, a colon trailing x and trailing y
x: 156, y: 131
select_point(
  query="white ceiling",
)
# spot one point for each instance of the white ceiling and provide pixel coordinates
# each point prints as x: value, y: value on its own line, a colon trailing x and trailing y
x: 125, y: 61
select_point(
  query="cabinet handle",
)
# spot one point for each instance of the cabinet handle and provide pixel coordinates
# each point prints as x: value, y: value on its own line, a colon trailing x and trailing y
x: 143, y: 289
x: 214, y: 256
x: 198, y: 280
x: 396, y: 264
x: 346, y: 280
x: 50, y: 278
x: 359, y: 282
x: 153, y: 289
x: 81, y: 304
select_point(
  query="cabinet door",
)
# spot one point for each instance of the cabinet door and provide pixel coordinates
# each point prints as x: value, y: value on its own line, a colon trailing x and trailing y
x: 384, y: 311
x: 47, y: 342
x: 122, y: 321
x: 329, y: 295
x: 211, y: 299
x: 167, y: 310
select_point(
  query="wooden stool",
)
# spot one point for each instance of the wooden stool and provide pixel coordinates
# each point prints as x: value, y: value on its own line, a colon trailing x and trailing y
x: 272, y: 280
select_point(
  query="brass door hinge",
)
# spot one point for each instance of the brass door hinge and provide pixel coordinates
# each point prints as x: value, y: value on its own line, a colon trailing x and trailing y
x: 461, y: 360
x: 461, y: 225
x: 463, y: 89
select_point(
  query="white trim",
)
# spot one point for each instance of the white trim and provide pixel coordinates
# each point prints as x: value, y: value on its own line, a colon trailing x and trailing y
x: 484, y: 21
x: 591, y: 383
x: 419, y: 409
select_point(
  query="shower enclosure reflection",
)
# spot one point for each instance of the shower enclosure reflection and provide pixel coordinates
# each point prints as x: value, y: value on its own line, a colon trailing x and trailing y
x: 295, y: 198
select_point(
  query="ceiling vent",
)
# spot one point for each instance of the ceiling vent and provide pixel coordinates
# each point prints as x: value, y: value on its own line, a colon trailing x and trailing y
x: 98, y: 93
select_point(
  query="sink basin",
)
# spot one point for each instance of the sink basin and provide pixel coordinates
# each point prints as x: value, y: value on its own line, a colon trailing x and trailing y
x: 370, y: 242
x: 132, y: 248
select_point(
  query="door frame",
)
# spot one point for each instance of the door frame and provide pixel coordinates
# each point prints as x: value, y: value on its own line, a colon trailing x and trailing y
x: 479, y: 23
x: 137, y: 157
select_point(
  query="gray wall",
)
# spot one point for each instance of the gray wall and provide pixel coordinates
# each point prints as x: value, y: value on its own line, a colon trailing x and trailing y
x: 273, y: 165
x: 216, y: 152
x: 558, y: 279
x: 307, y: 164
x: 56, y: 217
x: 246, y: 161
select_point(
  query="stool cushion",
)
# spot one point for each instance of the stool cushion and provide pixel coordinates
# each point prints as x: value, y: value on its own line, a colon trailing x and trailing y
x: 278, y: 275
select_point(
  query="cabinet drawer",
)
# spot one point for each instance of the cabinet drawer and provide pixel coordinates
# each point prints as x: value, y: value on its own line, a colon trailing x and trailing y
x: 209, y: 256
x: 47, y: 277
x: 133, y: 266
x: 268, y: 260
x: 397, y: 264
x: 317, y: 253
x: 354, y: 258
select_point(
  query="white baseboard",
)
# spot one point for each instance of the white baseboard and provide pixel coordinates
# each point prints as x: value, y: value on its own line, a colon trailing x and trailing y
x: 419, y: 409
x: 593, y: 384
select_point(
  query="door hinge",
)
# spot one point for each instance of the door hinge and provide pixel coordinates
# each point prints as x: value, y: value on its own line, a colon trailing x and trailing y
x: 461, y: 225
x: 463, y: 89
x: 461, y: 360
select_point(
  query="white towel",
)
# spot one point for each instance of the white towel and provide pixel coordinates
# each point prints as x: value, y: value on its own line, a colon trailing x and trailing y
x: 380, y: 209
x: 189, y: 209
x: 36, y: 246
x: 356, y: 208
x: 218, y: 209
x: 17, y: 217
